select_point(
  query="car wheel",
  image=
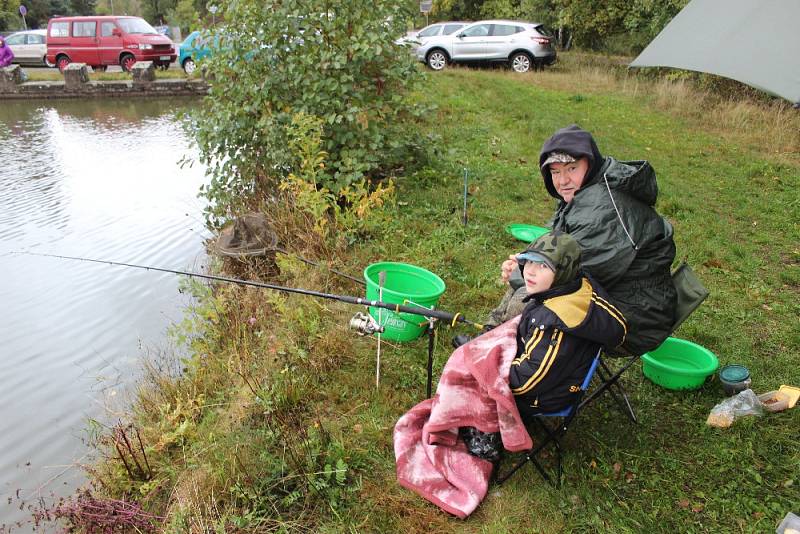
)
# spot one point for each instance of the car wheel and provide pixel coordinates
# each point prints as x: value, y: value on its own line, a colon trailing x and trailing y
x: 47, y: 63
x: 126, y: 62
x: 189, y: 66
x: 437, y: 59
x: 62, y: 62
x: 521, y: 62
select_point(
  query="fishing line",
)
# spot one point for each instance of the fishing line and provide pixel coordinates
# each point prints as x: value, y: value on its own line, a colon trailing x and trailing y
x: 447, y: 317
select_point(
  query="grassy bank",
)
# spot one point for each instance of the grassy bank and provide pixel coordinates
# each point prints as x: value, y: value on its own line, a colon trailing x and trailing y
x: 53, y: 75
x: 274, y: 422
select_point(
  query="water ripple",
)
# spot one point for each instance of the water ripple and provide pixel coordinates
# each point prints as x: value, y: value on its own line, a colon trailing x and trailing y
x: 99, y: 180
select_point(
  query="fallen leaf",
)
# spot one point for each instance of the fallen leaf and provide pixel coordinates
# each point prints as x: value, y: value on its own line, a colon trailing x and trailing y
x: 593, y: 464
x: 617, y: 468
x: 358, y: 429
x: 757, y: 515
x: 683, y: 503
x: 629, y: 477
x: 697, y: 508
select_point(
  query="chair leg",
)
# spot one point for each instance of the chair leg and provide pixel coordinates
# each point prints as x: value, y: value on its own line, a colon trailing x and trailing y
x: 530, y: 456
x: 607, y: 384
x: 620, y: 395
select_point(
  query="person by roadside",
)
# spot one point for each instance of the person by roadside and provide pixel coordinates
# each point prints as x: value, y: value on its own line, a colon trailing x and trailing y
x: 6, y: 54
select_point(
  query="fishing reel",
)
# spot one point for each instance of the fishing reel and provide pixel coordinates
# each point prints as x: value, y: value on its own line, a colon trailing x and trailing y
x: 365, y: 325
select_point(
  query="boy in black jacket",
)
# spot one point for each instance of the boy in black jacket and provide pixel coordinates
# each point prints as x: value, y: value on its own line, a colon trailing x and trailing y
x: 566, y: 318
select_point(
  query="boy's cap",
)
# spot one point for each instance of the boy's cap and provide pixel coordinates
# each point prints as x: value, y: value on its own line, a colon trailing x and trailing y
x: 559, y: 251
x: 558, y: 157
x: 538, y: 258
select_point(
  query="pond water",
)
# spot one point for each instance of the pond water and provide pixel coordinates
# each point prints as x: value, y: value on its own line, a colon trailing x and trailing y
x: 96, y: 179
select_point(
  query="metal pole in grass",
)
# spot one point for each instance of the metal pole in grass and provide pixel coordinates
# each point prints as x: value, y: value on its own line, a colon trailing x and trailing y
x: 466, y: 181
x: 381, y: 282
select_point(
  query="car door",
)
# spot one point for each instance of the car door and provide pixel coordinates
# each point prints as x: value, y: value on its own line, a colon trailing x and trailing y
x: 85, y: 42
x: 470, y: 44
x: 38, y: 47
x: 499, y: 43
x: 19, y: 47
x: 110, y: 45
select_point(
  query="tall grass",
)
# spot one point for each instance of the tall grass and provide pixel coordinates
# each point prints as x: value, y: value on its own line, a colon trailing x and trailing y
x: 731, y: 111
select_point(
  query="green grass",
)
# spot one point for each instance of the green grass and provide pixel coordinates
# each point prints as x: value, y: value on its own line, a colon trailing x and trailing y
x: 53, y: 75
x: 737, y: 220
x: 224, y: 456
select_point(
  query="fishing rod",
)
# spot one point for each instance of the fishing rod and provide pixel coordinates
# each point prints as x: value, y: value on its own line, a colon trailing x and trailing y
x: 451, y: 318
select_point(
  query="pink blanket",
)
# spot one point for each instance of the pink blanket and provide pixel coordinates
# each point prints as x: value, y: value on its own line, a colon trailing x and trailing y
x: 473, y: 391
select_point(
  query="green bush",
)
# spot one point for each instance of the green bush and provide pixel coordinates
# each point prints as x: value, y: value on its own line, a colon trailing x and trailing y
x: 334, y: 60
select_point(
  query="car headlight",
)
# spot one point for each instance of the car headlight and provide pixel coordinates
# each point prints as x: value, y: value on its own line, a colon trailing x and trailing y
x: 145, y: 46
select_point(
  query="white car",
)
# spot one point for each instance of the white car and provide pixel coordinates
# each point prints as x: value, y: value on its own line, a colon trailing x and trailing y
x: 29, y: 47
x: 522, y: 45
x: 418, y: 38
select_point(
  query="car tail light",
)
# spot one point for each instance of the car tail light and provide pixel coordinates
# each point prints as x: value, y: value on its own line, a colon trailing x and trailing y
x: 541, y: 40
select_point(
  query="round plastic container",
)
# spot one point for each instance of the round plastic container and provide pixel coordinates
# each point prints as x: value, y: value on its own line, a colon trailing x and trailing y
x: 734, y: 379
x: 404, y: 284
x: 679, y: 364
x: 526, y: 232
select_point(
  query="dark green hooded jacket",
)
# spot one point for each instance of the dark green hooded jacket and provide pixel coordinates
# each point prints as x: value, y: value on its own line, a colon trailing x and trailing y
x: 626, y: 245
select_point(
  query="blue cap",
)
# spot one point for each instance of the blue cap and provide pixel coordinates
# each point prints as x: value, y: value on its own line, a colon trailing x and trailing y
x: 529, y: 255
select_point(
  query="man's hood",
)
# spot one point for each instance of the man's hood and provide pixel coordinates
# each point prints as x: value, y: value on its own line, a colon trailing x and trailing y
x: 576, y: 142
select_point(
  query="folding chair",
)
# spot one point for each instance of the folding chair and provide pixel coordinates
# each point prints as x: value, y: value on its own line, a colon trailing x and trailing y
x: 553, y: 435
x: 691, y: 294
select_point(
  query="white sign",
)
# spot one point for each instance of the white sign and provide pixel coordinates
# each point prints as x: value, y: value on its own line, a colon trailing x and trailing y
x: 425, y: 6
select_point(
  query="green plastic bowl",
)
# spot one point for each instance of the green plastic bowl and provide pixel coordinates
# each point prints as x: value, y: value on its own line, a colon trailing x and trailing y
x: 679, y: 364
x: 405, y: 284
x: 526, y: 232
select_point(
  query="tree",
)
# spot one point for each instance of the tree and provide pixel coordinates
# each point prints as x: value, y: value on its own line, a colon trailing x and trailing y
x: 330, y: 59
x: 83, y: 7
x: 457, y: 9
x: 156, y: 11
x: 185, y: 15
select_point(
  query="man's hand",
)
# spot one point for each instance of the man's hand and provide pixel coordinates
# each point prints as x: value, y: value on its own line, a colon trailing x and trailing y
x: 508, y: 267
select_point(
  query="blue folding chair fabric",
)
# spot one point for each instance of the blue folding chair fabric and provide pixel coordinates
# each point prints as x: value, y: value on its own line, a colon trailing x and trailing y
x: 553, y: 435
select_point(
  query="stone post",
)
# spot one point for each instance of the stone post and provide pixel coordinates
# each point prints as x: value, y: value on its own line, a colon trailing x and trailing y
x: 143, y: 72
x: 76, y: 76
x: 10, y: 78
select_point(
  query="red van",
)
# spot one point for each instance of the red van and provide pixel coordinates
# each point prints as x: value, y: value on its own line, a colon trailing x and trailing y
x: 106, y: 40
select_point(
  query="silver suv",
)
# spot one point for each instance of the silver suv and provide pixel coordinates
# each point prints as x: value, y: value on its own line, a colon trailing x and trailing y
x: 523, y: 45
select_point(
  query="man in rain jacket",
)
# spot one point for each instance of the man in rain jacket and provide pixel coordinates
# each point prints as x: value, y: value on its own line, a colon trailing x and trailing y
x: 608, y: 207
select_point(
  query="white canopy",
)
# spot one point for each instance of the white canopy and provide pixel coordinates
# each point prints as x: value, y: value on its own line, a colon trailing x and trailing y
x: 756, y: 42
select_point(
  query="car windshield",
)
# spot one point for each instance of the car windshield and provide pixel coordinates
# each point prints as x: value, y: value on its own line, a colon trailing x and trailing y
x: 189, y: 41
x: 452, y: 28
x: 429, y: 31
x: 136, y: 25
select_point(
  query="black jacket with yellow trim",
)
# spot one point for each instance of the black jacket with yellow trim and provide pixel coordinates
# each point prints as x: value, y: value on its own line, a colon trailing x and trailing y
x: 558, y: 335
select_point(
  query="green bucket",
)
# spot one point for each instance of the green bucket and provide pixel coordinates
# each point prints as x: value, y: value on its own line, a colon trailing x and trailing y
x: 679, y: 364
x: 404, y: 284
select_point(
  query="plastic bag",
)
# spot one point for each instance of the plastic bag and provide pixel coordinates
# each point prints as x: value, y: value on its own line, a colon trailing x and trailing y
x: 744, y: 403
